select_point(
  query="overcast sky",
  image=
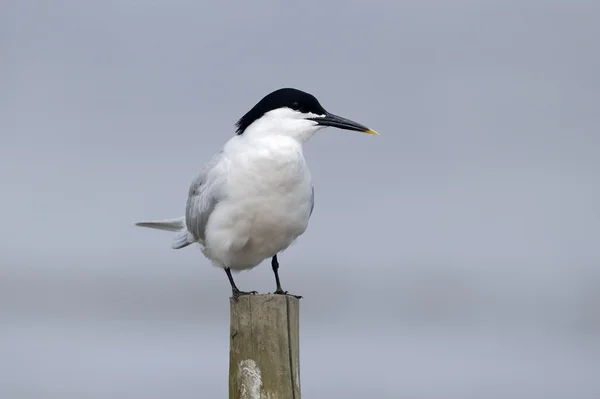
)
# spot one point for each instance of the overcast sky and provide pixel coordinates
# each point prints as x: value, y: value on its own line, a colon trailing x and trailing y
x: 479, y: 200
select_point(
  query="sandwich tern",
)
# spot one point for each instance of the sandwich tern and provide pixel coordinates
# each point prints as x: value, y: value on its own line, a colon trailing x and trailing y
x: 254, y: 198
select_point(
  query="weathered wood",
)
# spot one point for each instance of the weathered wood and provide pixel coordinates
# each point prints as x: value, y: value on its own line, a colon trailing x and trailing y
x: 264, y: 354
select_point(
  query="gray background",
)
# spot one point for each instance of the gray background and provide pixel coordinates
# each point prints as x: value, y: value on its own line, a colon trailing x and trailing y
x: 454, y: 256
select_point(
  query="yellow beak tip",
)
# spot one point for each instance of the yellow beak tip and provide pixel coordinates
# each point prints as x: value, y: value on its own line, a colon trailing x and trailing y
x: 371, y: 131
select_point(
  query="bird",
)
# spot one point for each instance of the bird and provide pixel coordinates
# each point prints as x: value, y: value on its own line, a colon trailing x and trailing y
x: 255, y: 196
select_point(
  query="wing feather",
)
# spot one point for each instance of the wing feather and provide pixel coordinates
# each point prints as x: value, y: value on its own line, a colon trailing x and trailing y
x: 204, y: 195
x: 312, y: 200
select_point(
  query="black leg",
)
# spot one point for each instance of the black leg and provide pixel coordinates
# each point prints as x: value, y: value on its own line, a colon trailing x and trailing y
x: 234, y: 289
x: 275, y: 265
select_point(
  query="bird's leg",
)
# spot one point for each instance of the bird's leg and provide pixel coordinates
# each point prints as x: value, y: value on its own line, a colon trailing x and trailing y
x: 236, y: 293
x: 275, y: 265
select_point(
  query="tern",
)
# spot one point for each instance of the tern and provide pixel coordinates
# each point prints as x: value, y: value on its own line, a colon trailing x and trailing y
x: 254, y: 198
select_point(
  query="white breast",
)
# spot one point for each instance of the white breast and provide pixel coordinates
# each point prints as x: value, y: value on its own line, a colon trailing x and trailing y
x: 269, y: 197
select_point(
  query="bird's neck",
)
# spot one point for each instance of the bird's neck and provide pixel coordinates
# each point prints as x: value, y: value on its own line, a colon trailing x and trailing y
x: 275, y: 145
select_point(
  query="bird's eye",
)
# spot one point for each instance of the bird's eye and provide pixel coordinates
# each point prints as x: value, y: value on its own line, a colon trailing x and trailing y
x: 295, y: 105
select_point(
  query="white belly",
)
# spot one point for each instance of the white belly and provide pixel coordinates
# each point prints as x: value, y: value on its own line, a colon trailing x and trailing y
x: 268, y: 206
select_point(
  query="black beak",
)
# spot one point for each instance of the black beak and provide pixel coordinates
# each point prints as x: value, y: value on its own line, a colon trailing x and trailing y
x: 342, y: 123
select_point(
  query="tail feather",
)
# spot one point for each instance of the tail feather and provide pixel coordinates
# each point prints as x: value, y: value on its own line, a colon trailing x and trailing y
x: 167, y: 224
x: 183, y: 239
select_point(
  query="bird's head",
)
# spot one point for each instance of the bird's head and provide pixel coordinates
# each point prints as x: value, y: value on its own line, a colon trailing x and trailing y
x: 292, y: 113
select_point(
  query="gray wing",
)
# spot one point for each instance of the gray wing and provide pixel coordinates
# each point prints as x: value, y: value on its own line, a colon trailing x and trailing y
x: 312, y: 201
x: 204, y: 194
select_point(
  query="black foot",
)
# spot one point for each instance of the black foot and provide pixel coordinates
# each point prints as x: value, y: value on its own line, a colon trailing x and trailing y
x: 279, y: 291
x: 237, y: 293
x: 282, y: 292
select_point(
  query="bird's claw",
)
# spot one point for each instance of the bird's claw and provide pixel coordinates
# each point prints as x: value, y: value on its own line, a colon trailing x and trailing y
x: 237, y: 293
x: 282, y: 292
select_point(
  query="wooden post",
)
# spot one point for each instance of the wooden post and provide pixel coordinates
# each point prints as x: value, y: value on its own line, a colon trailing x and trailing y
x: 264, y: 361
